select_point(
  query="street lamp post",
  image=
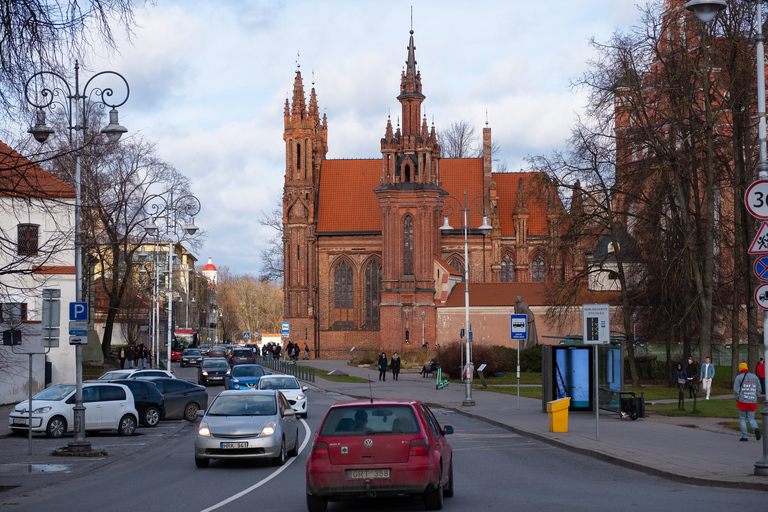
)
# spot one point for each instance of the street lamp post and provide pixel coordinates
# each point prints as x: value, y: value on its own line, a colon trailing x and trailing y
x: 423, y: 316
x: 706, y: 11
x: 484, y: 229
x: 75, y: 103
x: 171, y: 209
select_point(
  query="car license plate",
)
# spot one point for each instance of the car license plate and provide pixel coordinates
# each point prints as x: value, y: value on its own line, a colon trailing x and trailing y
x: 20, y: 421
x: 215, y: 378
x: 365, y: 474
x: 225, y: 446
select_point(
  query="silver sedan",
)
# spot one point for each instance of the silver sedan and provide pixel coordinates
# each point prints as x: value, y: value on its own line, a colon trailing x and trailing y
x: 247, y: 424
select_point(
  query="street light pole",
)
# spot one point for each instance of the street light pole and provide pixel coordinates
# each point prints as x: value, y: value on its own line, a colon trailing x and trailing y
x: 76, y: 109
x: 484, y: 229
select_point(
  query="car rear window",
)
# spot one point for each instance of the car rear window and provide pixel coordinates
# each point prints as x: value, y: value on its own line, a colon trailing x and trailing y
x: 370, y: 419
x: 242, y: 353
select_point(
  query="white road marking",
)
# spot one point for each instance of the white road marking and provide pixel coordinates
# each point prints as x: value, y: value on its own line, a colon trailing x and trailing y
x: 270, y: 477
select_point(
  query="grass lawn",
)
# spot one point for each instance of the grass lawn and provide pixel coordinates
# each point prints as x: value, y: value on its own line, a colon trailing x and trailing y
x: 704, y: 408
x: 526, y: 392
x: 323, y: 374
x: 661, y: 392
x: 511, y: 378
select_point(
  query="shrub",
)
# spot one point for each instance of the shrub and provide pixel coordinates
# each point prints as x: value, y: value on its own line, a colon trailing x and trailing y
x: 648, y: 368
x: 495, y: 357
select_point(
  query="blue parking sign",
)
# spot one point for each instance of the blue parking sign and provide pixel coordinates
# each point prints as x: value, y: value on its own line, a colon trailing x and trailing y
x: 78, y: 311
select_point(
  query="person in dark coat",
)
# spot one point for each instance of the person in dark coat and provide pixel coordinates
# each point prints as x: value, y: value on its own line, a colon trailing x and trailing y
x: 681, y: 378
x: 429, y: 367
x: 691, y: 372
x: 131, y: 355
x: 383, y: 363
x: 395, y: 365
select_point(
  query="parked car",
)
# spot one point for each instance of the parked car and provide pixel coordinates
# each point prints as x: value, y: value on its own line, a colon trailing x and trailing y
x: 191, y: 357
x: 247, y: 424
x: 379, y: 448
x: 182, y: 398
x: 117, y: 374
x: 243, y: 376
x: 204, y: 348
x: 212, y: 370
x: 289, y: 385
x: 108, y: 406
x: 155, y: 372
x: 218, y: 351
x: 149, y: 402
x: 242, y: 356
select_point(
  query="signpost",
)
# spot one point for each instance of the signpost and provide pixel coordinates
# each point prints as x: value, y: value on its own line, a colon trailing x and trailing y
x: 285, y: 331
x: 518, y: 329
x: 756, y: 199
x: 597, y: 331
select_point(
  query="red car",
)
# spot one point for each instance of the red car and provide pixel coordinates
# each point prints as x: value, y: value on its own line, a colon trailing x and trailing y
x: 379, y: 448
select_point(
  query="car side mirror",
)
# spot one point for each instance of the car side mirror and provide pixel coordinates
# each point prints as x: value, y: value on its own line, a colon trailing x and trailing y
x: 304, y: 388
x: 200, y: 413
x: 289, y: 412
x: 448, y: 430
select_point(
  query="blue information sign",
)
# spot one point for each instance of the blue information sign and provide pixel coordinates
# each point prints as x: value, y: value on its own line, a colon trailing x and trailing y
x: 78, y: 311
x: 518, y: 327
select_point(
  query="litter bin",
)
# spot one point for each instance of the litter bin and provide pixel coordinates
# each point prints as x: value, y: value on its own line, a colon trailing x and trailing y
x: 557, y: 410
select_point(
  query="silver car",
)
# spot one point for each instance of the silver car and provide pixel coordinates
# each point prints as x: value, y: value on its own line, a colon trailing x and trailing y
x: 247, y: 424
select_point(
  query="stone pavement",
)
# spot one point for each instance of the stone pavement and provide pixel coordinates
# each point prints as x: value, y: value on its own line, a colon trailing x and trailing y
x: 688, y: 455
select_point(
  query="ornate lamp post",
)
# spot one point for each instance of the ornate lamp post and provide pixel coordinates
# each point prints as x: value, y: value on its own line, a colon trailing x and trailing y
x: 484, y: 228
x: 75, y: 102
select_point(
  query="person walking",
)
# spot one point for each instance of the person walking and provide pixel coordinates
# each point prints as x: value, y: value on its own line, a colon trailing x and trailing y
x: 745, y: 390
x: 761, y: 374
x: 131, y: 355
x: 122, y: 357
x: 306, y: 350
x: 681, y: 378
x: 395, y: 365
x: 691, y: 370
x: 142, y: 355
x: 383, y: 366
x: 706, y: 375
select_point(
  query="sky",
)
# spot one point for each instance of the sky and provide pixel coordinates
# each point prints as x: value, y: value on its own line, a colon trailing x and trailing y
x: 209, y: 80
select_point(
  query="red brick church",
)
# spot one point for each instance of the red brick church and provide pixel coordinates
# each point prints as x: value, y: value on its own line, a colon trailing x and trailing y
x: 366, y: 263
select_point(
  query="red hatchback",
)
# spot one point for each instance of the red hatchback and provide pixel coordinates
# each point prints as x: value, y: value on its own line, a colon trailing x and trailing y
x: 379, y: 448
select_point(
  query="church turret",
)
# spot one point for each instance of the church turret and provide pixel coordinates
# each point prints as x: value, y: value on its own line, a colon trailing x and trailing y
x: 410, y: 93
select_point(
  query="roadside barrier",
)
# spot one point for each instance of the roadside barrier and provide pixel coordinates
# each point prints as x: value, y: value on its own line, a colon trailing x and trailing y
x: 306, y: 373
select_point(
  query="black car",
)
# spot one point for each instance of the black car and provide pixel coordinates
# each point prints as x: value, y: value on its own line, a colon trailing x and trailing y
x: 212, y: 370
x: 205, y: 348
x: 182, y: 398
x: 218, y: 351
x: 150, y: 403
x: 191, y: 357
x: 242, y: 356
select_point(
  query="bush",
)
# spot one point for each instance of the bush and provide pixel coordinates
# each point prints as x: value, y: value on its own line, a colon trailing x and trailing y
x: 648, y: 368
x: 495, y: 357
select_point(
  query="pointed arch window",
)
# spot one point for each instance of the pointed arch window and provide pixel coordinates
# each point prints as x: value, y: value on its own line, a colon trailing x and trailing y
x: 343, y: 294
x: 407, y: 172
x: 372, y: 293
x: 408, y: 246
x: 458, y: 265
x: 298, y: 157
x: 507, y: 269
x: 538, y: 270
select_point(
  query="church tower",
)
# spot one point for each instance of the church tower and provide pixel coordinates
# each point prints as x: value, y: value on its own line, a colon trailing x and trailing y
x: 306, y: 145
x: 410, y: 199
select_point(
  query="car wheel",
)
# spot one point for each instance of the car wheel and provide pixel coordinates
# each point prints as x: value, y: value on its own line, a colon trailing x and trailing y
x: 56, y: 427
x: 317, y: 503
x: 295, y: 450
x: 127, y: 425
x: 151, y: 417
x: 201, y: 463
x: 190, y: 411
x: 433, y: 500
x: 282, y: 456
x: 448, y: 489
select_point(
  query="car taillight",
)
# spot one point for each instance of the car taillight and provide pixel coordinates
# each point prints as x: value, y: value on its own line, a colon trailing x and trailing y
x: 419, y: 447
x: 320, y: 450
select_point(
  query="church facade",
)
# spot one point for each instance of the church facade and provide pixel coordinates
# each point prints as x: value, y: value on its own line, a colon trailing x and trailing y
x: 367, y: 264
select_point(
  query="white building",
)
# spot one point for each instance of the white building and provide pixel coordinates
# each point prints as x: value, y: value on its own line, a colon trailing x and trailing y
x: 37, y: 218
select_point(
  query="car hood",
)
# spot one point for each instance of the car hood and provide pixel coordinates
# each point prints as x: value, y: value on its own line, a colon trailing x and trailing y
x: 217, y: 371
x: 23, y: 406
x: 246, y: 380
x: 237, y: 426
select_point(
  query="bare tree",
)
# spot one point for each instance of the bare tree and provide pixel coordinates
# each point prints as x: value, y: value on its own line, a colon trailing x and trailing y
x: 272, y: 265
x: 250, y: 304
x: 459, y: 141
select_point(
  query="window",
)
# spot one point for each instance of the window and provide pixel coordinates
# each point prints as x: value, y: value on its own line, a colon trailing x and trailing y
x: 343, y: 295
x: 458, y: 265
x: 112, y: 393
x: 507, y: 270
x: 27, y: 236
x: 408, y: 246
x: 372, y: 292
x: 13, y: 312
x: 538, y: 271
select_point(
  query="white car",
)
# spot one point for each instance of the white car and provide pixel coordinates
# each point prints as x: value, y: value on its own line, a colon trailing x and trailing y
x: 108, y: 406
x: 293, y: 391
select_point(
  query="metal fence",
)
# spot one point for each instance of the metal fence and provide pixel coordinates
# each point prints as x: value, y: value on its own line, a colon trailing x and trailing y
x: 306, y: 373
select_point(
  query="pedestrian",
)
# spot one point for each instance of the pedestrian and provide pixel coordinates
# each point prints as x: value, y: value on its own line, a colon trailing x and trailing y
x: 681, y: 378
x: 761, y: 374
x: 131, y: 355
x: 306, y: 350
x: 395, y: 365
x: 745, y: 391
x: 149, y: 356
x: 707, y: 374
x: 383, y: 366
x: 295, y: 353
x: 122, y: 357
x: 691, y: 370
x: 142, y: 355
x: 289, y: 349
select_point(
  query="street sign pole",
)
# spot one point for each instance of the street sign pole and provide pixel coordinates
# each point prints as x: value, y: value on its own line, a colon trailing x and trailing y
x: 518, y: 331
x: 597, y: 331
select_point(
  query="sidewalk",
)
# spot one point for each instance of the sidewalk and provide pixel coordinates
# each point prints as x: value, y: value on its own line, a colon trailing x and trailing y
x: 681, y: 453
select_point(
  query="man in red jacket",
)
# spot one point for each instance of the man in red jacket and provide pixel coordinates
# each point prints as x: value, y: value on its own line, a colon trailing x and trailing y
x: 745, y: 390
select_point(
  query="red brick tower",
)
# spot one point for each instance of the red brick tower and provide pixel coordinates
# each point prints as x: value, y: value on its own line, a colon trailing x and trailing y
x: 410, y: 199
x: 306, y: 144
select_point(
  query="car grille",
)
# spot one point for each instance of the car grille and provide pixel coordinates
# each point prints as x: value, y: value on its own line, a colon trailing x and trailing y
x: 234, y: 436
x: 236, y: 451
x: 292, y: 402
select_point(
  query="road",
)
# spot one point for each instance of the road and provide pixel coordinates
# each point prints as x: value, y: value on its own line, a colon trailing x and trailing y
x: 495, y: 470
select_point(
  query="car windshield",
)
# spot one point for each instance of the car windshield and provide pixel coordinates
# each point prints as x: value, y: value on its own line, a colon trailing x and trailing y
x: 118, y: 374
x: 191, y: 352
x: 243, y: 405
x: 247, y: 371
x: 215, y: 364
x: 370, y: 420
x: 279, y: 383
x: 59, y: 392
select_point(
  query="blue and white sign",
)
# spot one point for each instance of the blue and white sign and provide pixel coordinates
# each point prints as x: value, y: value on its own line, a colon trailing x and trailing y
x: 518, y: 327
x: 596, y: 324
x: 78, y: 311
x: 285, y: 330
x: 246, y: 335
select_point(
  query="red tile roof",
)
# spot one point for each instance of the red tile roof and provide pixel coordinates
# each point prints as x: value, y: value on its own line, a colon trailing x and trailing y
x: 23, y: 178
x: 498, y: 294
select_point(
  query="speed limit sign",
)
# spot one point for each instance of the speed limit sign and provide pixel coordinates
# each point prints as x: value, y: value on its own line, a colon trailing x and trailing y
x: 756, y: 199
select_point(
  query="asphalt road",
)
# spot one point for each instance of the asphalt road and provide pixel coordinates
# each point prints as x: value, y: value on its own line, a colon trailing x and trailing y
x: 495, y: 470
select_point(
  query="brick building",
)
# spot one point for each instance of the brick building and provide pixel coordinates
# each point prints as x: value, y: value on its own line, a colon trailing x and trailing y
x: 366, y: 263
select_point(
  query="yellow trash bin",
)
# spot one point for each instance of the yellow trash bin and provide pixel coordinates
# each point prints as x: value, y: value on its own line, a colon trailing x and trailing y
x: 557, y: 410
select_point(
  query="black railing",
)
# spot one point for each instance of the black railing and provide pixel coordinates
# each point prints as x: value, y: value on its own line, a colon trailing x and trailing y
x: 306, y: 373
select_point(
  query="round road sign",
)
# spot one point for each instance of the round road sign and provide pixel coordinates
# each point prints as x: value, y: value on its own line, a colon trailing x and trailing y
x: 761, y: 296
x: 756, y: 199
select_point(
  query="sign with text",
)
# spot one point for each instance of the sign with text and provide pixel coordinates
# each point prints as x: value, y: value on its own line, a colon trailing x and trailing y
x: 518, y: 327
x: 596, y: 324
x: 285, y: 329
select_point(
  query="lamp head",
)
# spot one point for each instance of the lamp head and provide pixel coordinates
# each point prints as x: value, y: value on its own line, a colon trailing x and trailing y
x: 485, y: 228
x: 151, y: 228
x: 190, y: 228
x: 40, y: 131
x: 446, y: 226
x: 706, y: 10
x: 113, y: 130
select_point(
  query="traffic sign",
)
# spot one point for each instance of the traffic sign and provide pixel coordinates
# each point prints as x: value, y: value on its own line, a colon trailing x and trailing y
x: 78, y: 340
x: 78, y: 311
x: 761, y: 268
x: 246, y: 335
x: 518, y: 327
x: 760, y: 243
x: 285, y: 329
x: 761, y: 296
x: 756, y: 199
x: 78, y: 328
x: 596, y: 324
